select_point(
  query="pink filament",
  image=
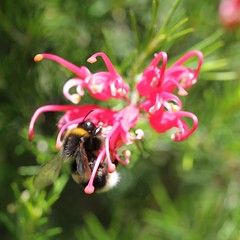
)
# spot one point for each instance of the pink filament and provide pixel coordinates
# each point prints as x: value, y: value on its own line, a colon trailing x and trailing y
x: 181, y: 90
x: 171, y: 97
x: 160, y: 56
x: 81, y: 72
x: 187, y: 56
x: 123, y: 162
x: 106, y: 60
x: 89, y: 189
x: 111, y: 166
x: 185, y: 132
x: 47, y: 108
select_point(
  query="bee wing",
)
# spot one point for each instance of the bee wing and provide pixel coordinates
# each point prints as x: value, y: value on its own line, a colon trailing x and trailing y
x: 48, y: 172
x: 82, y: 163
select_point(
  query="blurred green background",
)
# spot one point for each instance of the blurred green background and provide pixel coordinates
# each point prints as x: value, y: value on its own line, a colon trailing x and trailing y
x: 188, y: 190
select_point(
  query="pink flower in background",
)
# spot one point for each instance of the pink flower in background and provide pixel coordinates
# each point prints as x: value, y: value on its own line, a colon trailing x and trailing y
x: 229, y: 12
x: 157, y: 90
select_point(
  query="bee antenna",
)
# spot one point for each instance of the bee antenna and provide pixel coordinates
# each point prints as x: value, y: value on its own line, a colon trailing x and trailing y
x: 87, y: 115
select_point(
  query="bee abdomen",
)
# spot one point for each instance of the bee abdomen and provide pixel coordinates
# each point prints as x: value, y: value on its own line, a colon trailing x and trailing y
x: 100, y: 180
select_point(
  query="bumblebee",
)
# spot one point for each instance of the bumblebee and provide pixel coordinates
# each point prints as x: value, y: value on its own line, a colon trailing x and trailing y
x: 81, y: 146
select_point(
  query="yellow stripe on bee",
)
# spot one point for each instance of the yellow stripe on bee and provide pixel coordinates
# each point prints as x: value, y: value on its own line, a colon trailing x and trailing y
x: 78, y: 131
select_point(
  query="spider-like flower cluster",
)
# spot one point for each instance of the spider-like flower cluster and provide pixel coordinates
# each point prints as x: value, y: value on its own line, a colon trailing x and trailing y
x: 157, y: 91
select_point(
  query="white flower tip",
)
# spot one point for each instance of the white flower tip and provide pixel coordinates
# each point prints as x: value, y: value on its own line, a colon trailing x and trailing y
x: 113, y: 89
x: 92, y: 60
x: 127, y: 154
x: 173, y: 137
x: 140, y: 134
x: 171, y: 107
x: 75, y: 98
x: 182, y: 92
x: 194, y: 80
x: 177, y: 137
x: 97, y: 88
x: 122, y: 91
x: 152, y: 110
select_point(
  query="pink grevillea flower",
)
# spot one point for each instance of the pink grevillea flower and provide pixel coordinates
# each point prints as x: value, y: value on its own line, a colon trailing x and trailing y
x: 157, y: 88
x: 101, y: 85
x: 229, y: 12
x: 157, y: 85
x: 161, y: 79
x: 116, y: 126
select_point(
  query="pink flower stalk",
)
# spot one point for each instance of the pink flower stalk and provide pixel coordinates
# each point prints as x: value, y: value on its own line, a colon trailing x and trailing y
x: 101, y: 85
x: 229, y: 12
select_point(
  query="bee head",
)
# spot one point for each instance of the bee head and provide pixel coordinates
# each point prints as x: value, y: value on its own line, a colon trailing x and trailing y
x: 88, y: 126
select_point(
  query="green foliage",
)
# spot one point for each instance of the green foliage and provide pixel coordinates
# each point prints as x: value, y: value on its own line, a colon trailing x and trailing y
x: 171, y: 190
x: 27, y: 216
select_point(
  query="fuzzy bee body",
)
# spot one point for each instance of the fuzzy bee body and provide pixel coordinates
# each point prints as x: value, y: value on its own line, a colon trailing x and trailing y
x: 82, y: 145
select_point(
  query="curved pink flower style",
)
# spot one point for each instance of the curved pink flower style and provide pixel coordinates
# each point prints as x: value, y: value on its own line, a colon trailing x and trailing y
x: 156, y: 96
x: 162, y: 121
x: 153, y: 76
x: 229, y: 12
x: 105, y: 85
x: 101, y: 85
